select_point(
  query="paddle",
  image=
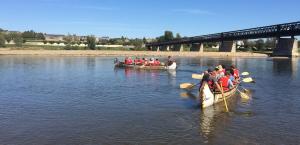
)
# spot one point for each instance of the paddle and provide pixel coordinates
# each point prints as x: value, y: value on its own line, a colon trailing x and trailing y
x: 224, y: 99
x: 246, y: 90
x: 245, y: 73
x: 188, y: 85
x: 185, y: 85
x: 248, y: 80
x: 197, y: 76
x: 243, y: 95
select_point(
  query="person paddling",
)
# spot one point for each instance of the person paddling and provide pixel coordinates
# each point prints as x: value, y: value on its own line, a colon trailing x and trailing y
x: 236, y: 72
x: 116, y: 61
x: 170, y: 61
x: 156, y: 62
x: 226, y: 82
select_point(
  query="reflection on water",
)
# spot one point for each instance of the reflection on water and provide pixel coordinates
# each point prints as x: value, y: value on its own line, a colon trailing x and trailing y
x: 213, y: 119
x: 85, y: 100
x: 285, y: 66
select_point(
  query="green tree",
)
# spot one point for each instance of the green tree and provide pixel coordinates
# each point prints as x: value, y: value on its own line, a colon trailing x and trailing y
x: 2, y: 40
x: 75, y: 39
x: 91, y: 42
x: 31, y: 35
x: 270, y: 43
x: 40, y: 36
x: 168, y: 35
x: 18, y: 40
x: 11, y: 36
x: 137, y: 43
x: 248, y: 45
x: 28, y: 34
x: 68, y: 39
x: 260, y: 44
x: 178, y: 36
x: 8, y: 37
x: 144, y: 40
x: 160, y: 39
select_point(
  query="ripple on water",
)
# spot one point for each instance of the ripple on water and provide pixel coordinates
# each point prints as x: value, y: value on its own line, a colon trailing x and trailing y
x: 84, y: 100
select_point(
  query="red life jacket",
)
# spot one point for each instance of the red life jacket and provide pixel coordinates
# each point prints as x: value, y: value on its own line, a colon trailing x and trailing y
x: 141, y: 61
x: 224, y: 82
x: 156, y: 62
x: 129, y: 61
x: 236, y: 73
x: 136, y: 61
x: 126, y: 61
x: 210, y: 84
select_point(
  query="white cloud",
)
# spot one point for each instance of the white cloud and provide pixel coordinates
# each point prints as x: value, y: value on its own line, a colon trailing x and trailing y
x: 193, y: 11
x: 101, y: 8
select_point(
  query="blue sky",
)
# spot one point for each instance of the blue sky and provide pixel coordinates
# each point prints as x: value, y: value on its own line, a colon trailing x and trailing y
x: 139, y: 18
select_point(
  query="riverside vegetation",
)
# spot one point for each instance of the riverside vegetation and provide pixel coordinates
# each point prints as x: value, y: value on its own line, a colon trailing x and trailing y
x: 73, y: 42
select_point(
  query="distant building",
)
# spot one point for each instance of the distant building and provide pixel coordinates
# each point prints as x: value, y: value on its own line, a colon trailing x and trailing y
x: 104, y: 38
x: 54, y: 37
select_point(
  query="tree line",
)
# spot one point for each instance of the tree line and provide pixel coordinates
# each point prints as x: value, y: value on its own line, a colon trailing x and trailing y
x: 69, y: 40
x: 91, y: 41
x: 138, y: 44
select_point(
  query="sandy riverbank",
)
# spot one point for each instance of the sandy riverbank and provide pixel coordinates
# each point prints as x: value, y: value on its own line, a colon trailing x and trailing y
x: 125, y: 53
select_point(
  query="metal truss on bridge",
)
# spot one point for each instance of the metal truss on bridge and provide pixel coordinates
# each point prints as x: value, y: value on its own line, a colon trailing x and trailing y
x: 279, y: 30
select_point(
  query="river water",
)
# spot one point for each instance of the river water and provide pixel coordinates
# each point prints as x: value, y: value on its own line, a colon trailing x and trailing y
x: 85, y: 100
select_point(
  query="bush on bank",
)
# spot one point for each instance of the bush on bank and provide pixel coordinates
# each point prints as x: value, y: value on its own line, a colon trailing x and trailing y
x: 2, y: 40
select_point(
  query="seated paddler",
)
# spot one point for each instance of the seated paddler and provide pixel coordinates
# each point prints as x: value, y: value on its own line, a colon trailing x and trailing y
x: 225, y: 82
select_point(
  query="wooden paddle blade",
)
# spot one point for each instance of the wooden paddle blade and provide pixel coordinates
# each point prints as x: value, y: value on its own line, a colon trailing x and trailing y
x: 243, y: 95
x: 197, y: 76
x: 184, y: 95
x: 248, y: 80
x: 245, y: 73
x: 186, y: 85
x: 245, y: 90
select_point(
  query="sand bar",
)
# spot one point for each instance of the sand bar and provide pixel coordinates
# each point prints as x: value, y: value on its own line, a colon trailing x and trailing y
x: 126, y: 53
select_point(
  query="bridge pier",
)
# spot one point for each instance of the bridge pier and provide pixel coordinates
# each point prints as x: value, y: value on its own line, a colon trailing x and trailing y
x: 178, y: 47
x: 197, y: 47
x: 286, y: 47
x: 168, y: 48
x: 228, y: 46
x: 181, y: 48
x: 158, y: 48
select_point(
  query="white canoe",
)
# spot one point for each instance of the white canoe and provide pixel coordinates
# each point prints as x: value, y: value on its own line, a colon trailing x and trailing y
x: 208, y: 98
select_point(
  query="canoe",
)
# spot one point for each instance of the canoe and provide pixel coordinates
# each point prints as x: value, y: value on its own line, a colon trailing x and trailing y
x: 161, y: 67
x: 209, y: 98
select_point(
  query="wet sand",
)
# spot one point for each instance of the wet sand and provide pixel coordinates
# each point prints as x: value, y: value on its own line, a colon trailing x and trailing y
x: 125, y: 53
